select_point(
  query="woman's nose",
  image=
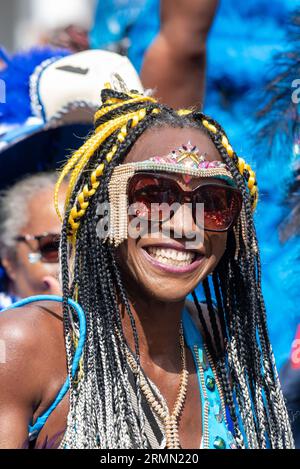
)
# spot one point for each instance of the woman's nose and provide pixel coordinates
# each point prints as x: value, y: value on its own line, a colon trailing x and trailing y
x: 182, y: 225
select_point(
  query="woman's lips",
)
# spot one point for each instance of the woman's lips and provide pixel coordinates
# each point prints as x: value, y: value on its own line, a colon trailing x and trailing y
x: 172, y: 268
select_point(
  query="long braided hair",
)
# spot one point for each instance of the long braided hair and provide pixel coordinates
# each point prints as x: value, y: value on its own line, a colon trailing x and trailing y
x: 101, y: 410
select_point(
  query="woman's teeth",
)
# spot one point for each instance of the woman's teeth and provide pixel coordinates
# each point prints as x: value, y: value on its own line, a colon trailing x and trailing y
x: 172, y: 256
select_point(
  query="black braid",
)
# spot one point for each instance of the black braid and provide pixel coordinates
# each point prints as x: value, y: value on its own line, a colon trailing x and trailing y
x: 212, y: 317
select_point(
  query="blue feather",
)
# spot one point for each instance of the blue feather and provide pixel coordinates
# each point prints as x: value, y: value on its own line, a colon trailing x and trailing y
x: 16, y: 74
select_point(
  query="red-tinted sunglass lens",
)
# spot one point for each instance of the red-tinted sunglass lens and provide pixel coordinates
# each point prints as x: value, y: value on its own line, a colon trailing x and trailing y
x: 49, y: 248
x: 150, y: 197
x: 221, y: 206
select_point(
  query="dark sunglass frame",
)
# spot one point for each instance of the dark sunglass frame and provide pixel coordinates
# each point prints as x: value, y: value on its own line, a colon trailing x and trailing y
x: 186, y: 194
x: 54, y: 240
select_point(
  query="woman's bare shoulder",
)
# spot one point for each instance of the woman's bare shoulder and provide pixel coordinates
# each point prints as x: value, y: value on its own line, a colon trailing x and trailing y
x: 32, y: 366
x: 31, y: 325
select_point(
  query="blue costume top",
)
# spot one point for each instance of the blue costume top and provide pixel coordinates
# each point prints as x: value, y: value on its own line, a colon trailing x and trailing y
x: 216, y: 424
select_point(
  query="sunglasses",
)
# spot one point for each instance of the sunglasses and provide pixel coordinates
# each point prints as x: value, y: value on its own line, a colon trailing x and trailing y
x: 151, y: 195
x: 48, y: 247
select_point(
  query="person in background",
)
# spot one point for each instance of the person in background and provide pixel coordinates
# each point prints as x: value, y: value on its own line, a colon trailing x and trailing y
x: 175, y: 60
x: 29, y: 237
x: 113, y: 21
x: 175, y: 63
x: 71, y: 37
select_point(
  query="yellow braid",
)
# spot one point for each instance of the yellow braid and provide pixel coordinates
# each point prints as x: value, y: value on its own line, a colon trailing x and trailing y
x: 102, y: 133
x: 67, y: 168
x: 81, y: 157
x: 114, y: 103
x: 212, y: 128
x: 78, y: 160
x: 83, y: 198
x: 184, y: 112
x: 241, y: 165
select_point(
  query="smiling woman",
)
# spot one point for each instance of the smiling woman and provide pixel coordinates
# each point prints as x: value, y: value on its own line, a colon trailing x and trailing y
x: 156, y: 371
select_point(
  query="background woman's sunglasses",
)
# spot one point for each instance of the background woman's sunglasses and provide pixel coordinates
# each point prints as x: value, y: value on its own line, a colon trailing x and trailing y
x: 146, y: 193
x: 47, y: 250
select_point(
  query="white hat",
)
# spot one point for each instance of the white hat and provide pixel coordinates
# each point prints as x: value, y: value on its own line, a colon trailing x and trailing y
x: 64, y: 95
x: 65, y: 91
x: 75, y: 81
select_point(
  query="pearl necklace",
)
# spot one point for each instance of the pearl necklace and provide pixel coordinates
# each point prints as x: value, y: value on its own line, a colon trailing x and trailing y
x: 169, y: 420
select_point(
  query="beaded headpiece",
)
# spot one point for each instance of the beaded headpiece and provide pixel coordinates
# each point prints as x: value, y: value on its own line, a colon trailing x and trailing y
x: 185, y: 161
x: 186, y: 157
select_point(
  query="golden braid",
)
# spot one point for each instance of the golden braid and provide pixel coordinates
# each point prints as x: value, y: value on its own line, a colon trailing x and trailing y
x: 114, y: 103
x: 184, y: 112
x: 241, y: 165
x: 101, y: 134
x: 82, y: 156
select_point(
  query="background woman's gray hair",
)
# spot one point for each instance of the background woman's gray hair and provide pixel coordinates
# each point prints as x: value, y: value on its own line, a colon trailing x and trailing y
x: 14, y: 207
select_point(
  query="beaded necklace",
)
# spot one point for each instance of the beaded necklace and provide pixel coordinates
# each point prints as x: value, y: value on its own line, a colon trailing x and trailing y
x: 170, y: 421
x: 216, y: 433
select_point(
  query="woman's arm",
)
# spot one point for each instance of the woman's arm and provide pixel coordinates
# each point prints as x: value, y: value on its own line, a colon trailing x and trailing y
x: 32, y: 368
x: 18, y: 380
x: 174, y: 65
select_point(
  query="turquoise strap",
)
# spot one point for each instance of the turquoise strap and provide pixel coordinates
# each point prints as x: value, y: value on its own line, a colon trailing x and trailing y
x: 220, y: 436
x: 35, y: 429
x: 192, y: 335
